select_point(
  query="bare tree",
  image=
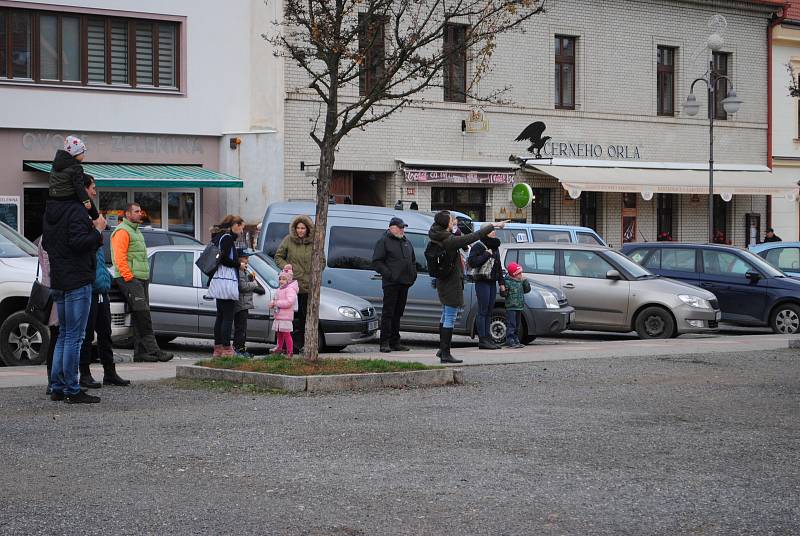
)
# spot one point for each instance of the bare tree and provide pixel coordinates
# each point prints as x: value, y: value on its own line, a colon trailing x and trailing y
x: 390, y: 50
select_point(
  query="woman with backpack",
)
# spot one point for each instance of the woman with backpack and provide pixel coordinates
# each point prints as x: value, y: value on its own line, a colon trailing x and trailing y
x: 224, y: 285
x: 487, y: 272
x: 446, y: 264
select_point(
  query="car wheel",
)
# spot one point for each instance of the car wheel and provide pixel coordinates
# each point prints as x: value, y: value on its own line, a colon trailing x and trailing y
x: 164, y: 340
x: 655, y: 323
x: 785, y: 319
x: 497, y: 326
x: 23, y: 340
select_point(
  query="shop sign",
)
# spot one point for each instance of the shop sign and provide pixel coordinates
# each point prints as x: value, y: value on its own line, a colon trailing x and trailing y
x: 458, y: 177
x: 9, y: 211
x: 122, y: 143
x: 591, y: 150
x: 544, y: 146
x: 522, y: 195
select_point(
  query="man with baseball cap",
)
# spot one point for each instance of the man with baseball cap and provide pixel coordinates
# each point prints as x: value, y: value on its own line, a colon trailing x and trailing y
x: 394, y: 259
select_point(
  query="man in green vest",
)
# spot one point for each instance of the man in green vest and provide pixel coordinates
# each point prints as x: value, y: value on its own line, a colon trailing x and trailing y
x: 132, y: 275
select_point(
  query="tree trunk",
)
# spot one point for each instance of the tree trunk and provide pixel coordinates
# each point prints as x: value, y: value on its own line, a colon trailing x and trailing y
x: 326, y: 159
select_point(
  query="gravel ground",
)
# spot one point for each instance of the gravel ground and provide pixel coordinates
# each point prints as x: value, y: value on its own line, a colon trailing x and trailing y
x: 671, y: 445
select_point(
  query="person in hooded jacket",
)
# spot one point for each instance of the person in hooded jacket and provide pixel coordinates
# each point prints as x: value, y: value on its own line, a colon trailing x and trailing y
x: 451, y: 287
x: 66, y: 179
x: 487, y: 250
x: 71, y: 240
x: 296, y: 249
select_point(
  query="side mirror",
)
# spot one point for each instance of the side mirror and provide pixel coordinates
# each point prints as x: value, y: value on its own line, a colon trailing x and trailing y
x: 613, y: 274
x: 752, y: 276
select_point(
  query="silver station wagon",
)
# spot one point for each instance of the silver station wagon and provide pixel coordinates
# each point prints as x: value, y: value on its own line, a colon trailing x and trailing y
x: 181, y: 307
x: 610, y: 292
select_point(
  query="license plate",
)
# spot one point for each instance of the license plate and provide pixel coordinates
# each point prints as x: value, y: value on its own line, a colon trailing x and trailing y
x: 572, y: 317
x: 373, y: 325
x: 718, y: 316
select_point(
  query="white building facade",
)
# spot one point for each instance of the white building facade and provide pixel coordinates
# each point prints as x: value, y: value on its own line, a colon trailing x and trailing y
x: 178, y: 100
x: 608, y: 79
x: 785, y: 119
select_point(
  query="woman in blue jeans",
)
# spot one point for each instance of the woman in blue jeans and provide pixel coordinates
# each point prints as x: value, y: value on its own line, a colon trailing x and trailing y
x: 487, y: 272
x: 450, y: 287
x: 71, y: 240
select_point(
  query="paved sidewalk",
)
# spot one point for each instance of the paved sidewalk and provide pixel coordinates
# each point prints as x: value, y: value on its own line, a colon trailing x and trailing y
x: 536, y: 352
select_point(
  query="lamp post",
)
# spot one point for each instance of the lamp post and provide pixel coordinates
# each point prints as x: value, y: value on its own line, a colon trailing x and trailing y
x: 731, y: 105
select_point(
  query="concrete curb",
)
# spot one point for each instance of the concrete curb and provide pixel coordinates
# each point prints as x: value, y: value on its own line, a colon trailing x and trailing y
x: 326, y: 384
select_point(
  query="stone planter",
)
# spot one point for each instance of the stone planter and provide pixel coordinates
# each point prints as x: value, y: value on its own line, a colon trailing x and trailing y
x: 326, y: 383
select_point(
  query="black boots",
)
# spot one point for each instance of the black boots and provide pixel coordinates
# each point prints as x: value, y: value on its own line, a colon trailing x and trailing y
x: 485, y: 343
x: 439, y: 351
x: 445, y: 338
x: 86, y: 381
x: 110, y: 376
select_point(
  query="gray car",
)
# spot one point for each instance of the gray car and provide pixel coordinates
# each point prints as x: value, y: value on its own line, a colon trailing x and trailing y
x: 352, y: 233
x: 612, y: 293
x: 181, y: 307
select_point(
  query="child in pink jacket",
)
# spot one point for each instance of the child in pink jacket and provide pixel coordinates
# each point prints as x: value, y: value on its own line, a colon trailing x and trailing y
x: 284, y: 303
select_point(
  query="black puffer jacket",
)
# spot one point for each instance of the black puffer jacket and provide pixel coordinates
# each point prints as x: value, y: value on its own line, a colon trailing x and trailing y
x: 451, y: 289
x: 71, y: 243
x: 395, y: 260
x: 66, y: 181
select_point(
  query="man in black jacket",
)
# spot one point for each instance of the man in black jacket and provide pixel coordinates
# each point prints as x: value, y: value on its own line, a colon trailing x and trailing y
x: 71, y: 240
x: 394, y: 259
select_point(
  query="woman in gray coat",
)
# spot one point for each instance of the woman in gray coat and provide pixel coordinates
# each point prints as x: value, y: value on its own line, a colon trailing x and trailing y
x: 451, y: 287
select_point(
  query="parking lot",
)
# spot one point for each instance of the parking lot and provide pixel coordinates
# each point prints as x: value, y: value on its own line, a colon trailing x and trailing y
x: 679, y: 444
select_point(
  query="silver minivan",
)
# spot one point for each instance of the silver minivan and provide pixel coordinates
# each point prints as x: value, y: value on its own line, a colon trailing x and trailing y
x: 353, y: 231
x: 610, y: 292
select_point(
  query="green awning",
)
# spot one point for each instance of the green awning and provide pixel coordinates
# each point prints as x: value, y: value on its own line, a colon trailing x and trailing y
x: 150, y: 175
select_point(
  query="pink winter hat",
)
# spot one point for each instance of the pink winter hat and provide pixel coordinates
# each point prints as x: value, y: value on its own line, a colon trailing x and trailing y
x: 514, y: 268
x: 74, y: 146
x: 287, y: 271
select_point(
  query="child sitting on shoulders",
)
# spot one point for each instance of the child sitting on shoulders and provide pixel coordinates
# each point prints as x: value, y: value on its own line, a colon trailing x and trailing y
x: 284, y: 303
x: 516, y: 288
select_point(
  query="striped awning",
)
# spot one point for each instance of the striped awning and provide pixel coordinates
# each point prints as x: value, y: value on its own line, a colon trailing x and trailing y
x: 150, y: 175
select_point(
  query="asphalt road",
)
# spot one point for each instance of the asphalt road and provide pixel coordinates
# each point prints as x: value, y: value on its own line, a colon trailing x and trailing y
x: 670, y: 445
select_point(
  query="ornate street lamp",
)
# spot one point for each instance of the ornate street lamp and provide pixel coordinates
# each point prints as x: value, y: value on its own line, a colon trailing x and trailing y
x: 731, y: 104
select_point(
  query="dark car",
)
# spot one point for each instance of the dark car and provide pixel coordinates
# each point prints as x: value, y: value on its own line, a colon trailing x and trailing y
x: 152, y: 237
x: 750, y: 291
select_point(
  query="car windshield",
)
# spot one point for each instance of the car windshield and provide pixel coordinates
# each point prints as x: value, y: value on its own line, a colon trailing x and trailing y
x: 13, y: 244
x: 629, y: 266
x: 265, y: 268
x: 761, y: 264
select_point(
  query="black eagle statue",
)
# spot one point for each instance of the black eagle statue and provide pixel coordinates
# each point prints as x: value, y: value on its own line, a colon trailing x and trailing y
x: 533, y: 133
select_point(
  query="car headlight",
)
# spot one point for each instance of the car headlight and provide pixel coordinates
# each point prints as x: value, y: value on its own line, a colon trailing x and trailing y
x: 694, y: 301
x: 550, y: 299
x: 349, y: 312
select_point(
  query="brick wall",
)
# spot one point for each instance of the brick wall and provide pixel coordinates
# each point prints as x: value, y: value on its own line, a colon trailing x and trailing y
x: 616, y: 105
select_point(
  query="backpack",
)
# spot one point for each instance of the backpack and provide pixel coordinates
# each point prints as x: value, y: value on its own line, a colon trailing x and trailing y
x: 440, y: 264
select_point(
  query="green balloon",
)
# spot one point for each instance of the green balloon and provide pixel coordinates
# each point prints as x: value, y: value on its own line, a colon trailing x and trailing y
x: 521, y: 195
